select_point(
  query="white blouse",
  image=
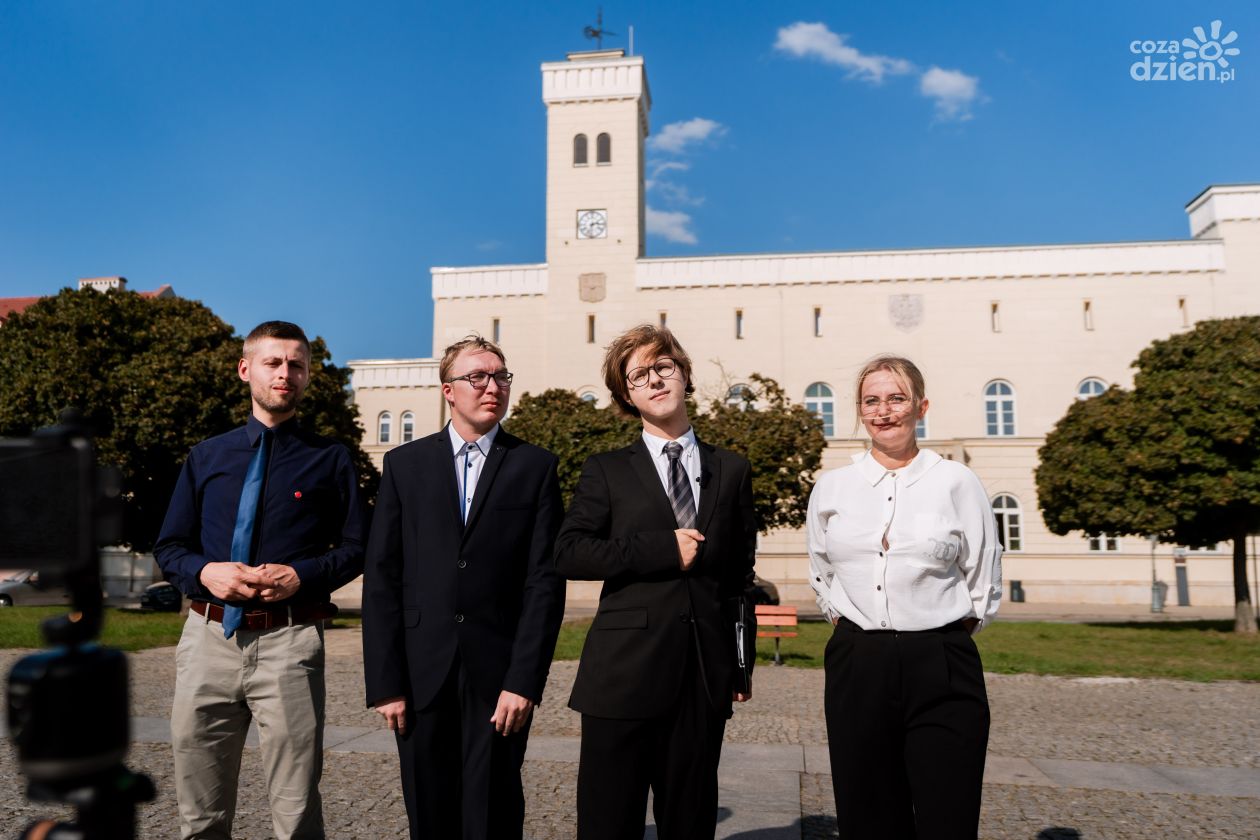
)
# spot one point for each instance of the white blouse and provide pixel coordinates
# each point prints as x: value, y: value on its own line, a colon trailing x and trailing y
x: 943, y: 560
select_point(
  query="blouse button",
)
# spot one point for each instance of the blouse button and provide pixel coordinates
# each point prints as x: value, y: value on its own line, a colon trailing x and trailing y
x: 878, y: 587
x: 881, y: 554
x: 883, y: 624
x: 890, y: 498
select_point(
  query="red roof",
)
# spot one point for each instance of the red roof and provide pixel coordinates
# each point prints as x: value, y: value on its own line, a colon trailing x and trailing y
x: 15, y: 304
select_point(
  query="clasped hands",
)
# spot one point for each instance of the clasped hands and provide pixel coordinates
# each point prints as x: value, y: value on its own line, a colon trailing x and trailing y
x: 510, y: 715
x: 238, y: 582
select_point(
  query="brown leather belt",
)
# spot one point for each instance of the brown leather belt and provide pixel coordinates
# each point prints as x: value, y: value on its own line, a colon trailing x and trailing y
x: 264, y: 618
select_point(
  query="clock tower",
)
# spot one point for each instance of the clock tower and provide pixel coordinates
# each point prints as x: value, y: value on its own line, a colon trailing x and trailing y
x: 597, y: 121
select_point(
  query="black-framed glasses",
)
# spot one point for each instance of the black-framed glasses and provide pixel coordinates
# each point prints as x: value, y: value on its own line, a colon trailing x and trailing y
x: 897, y: 404
x: 479, y: 379
x: 664, y: 367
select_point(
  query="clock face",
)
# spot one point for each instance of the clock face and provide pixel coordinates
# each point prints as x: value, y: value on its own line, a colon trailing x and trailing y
x: 592, y: 224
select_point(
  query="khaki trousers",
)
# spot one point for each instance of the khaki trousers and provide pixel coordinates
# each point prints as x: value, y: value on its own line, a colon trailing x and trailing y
x: 274, y: 677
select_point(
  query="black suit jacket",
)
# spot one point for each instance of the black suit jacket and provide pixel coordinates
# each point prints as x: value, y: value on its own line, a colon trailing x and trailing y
x: 433, y: 586
x: 620, y: 529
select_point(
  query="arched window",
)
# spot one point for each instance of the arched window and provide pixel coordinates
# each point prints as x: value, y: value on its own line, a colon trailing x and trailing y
x: 1006, y: 510
x: 383, y: 424
x: 1091, y: 387
x: 603, y: 149
x: 590, y: 397
x: 820, y: 400
x: 740, y: 396
x: 408, y: 427
x: 999, y: 409
x: 579, y: 150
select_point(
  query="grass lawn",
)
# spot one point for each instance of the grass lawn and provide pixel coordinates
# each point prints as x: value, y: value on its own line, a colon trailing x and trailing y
x: 1189, y: 650
x: 124, y: 629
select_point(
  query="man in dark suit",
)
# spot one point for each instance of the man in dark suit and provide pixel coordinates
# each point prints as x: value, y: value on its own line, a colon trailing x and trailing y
x: 461, y: 605
x: 667, y: 524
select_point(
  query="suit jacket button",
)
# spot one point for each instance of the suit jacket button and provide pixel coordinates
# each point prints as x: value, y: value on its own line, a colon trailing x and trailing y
x: 459, y: 618
x: 462, y: 563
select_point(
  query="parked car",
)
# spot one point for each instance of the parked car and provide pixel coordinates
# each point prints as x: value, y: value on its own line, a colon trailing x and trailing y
x: 24, y: 589
x: 764, y: 592
x: 162, y: 597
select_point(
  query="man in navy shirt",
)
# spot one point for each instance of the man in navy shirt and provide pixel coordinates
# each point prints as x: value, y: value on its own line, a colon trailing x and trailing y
x: 265, y: 523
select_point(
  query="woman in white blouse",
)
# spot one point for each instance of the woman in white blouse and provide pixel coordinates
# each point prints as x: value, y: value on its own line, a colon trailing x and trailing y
x: 905, y: 560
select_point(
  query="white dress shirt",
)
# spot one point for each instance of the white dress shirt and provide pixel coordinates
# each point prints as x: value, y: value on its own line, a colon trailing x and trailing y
x: 943, y: 560
x: 470, y: 457
x: 689, y: 458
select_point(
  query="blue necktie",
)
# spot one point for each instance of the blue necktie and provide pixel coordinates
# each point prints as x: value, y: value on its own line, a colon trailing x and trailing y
x: 246, y: 513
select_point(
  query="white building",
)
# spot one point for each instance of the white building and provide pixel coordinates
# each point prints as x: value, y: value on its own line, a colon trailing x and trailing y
x: 1007, y: 337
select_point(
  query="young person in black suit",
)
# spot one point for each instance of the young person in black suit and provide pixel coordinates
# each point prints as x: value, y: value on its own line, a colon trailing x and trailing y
x: 667, y: 524
x: 461, y: 604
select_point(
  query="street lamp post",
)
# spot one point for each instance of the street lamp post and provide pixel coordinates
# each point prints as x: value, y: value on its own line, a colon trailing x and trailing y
x: 1157, y: 597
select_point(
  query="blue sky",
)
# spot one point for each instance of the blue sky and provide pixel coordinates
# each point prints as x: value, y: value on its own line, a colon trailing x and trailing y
x: 312, y: 160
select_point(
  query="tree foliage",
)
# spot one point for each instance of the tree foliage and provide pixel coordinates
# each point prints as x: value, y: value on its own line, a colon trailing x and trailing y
x: 1178, y: 456
x: 153, y: 377
x: 570, y: 427
x: 783, y: 442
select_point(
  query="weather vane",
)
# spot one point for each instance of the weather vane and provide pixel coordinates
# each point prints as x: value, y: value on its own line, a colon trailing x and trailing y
x: 597, y: 32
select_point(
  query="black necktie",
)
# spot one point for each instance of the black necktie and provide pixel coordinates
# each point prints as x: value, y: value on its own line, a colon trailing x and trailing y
x: 680, y: 496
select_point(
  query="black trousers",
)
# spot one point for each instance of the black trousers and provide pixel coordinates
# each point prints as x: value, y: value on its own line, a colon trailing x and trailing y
x: 676, y: 755
x: 461, y: 780
x: 908, y: 728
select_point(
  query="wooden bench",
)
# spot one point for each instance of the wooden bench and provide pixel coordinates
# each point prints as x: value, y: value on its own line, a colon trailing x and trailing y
x: 769, y: 615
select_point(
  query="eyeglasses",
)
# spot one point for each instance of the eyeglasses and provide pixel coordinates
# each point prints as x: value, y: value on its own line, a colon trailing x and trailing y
x: 479, y: 379
x: 897, y: 404
x: 664, y: 367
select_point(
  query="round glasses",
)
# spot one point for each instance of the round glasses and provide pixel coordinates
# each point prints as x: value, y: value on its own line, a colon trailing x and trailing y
x: 897, y: 404
x: 664, y: 367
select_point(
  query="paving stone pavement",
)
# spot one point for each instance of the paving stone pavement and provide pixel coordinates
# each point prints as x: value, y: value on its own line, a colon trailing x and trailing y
x: 1099, y: 759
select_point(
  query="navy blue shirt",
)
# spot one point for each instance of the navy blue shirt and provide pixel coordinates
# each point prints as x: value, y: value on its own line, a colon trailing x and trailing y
x: 311, y: 514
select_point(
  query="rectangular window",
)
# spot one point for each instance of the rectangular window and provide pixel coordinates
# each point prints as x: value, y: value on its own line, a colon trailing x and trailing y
x: 590, y: 329
x: 664, y: 320
x: 1184, y: 311
x: 1089, y: 315
x: 995, y: 317
x: 494, y: 330
x: 739, y: 323
x: 817, y: 321
x: 920, y: 429
x: 1104, y: 542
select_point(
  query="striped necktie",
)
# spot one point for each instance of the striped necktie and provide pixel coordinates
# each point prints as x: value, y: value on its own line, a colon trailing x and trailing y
x: 680, y: 496
x: 246, y: 515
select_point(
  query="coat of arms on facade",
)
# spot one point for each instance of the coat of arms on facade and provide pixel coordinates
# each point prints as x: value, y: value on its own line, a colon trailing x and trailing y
x: 592, y: 287
x: 905, y: 311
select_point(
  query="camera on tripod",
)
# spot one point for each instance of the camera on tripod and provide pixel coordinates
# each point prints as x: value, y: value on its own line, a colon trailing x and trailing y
x: 68, y: 706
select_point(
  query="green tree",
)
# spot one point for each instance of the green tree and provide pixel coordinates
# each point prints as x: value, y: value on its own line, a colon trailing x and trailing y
x: 570, y: 427
x: 153, y: 377
x: 783, y: 442
x: 1178, y: 456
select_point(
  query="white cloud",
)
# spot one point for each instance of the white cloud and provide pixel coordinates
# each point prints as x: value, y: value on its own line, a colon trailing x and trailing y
x: 676, y: 137
x: 675, y: 193
x: 953, y: 90
x: 673, y: 226
x: 815, y: 40
x: 661, y: 167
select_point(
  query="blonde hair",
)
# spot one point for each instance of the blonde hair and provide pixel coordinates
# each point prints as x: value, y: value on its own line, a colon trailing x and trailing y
x: 898, y: 366
x: 476, y: 342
